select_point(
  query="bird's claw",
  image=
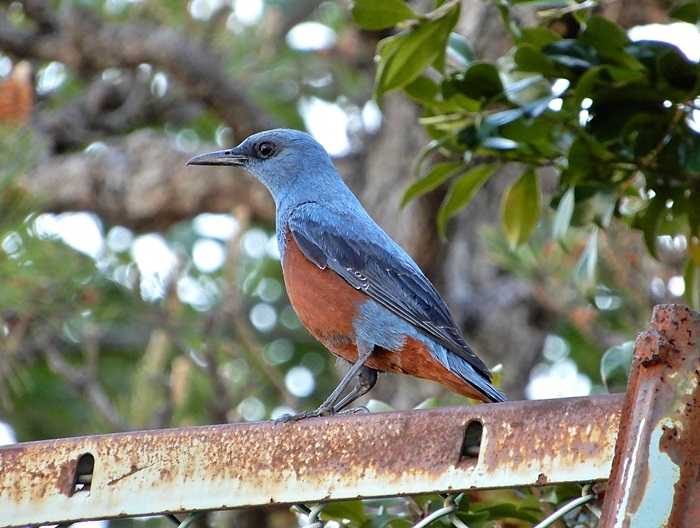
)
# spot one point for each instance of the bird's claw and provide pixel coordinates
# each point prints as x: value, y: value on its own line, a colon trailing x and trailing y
x: 321, y: 411
x: 287, y: 418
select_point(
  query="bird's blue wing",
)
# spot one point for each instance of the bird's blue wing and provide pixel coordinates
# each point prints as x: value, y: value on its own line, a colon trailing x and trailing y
x: 363, y: 255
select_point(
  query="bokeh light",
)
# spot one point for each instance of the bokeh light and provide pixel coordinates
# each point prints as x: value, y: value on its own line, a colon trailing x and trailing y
x: 251, y: 409
x: 311, y: 36
x: 254, y: 243
x: 221, y: 226
x: 279, y: 351
x: 263, y: 317
x: 7, y: 434
x: 208, y: 255
x: 299, y: 381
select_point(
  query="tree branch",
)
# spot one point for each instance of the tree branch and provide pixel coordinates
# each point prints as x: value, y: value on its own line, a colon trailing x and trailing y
x: 87, y: 44
x: 84, y: 382
x: 112, y: 107
x: 140, y: 181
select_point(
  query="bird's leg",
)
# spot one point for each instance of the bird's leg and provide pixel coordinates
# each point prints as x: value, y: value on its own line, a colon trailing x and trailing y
x: 363, y: 353
x: 366, y: 379
x: 364, y: 350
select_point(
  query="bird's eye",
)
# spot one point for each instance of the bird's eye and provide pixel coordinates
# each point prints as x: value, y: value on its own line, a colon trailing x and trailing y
x: 265, y: 149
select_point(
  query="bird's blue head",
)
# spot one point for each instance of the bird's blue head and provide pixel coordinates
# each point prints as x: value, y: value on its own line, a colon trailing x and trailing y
x: 290, y: 163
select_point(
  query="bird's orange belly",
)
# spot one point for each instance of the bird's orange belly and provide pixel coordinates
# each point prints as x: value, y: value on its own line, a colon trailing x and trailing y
x: 327, y: 306
x: 325, y: 303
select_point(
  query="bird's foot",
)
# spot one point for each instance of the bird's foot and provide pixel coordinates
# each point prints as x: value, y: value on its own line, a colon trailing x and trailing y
x: 321, y: 411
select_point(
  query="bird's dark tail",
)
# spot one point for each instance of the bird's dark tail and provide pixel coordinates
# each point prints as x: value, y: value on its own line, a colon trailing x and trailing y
x: 464, y: 370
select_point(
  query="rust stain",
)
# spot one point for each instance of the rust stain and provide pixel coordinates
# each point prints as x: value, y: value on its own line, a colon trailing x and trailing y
x: 579, y: 430
x: 662, y: 395
x: 66, y: 477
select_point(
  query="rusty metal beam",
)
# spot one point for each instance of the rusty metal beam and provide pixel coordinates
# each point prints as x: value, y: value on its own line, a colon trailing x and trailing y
x: 654, y: 480
x: 227, y: 466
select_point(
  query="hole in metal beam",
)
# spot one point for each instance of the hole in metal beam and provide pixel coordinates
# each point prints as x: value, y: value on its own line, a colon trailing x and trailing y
x: 83, y: 473
x: 472, y: 441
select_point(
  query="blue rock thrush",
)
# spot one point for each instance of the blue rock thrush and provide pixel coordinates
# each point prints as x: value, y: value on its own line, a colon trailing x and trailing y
x: 351, y: 285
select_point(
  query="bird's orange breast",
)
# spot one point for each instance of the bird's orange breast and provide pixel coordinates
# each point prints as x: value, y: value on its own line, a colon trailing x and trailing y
x: 327, y: 306
x: 325, y: 303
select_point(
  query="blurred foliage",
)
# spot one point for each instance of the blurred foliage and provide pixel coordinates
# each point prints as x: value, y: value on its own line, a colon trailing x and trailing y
x: 113, y: 346
x: 93, y: 343
x: 612, y: 118
x: 520, y: 508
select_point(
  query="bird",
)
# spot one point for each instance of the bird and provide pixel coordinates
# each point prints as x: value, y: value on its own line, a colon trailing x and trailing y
x: 351, y: 285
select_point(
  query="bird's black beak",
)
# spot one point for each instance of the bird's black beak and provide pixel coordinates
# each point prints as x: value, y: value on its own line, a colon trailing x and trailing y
x: 220, y: 157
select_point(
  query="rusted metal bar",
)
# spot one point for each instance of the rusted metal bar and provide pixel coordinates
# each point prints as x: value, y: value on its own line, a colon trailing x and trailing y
x: 227, y: 466
x: 655, y: 476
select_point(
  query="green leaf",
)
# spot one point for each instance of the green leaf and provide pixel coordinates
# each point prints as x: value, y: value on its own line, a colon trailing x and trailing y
x: 604, y: 82
x: 412, y: 51
x: 461, y: 192
x: 438, y: 174
x: 604, y: 34
x: 688, y: 12
x: 538, y: 36
x: 586, y: 268
x: 520, y: 209
x: 481, y: 81
x: 609, y: 40
x: 423, y: 154
x: 691, y: 276
x: 353, y: 510
x: 679, y: 72
x: 615, y: 365
x: 530, y: 59
x: 459, y: 47
x: 587, y: 84
x: 370, y: 14
x: 423, y: 90
x: 386, y: 49
x: 473, y: 518
x: 562, y: 218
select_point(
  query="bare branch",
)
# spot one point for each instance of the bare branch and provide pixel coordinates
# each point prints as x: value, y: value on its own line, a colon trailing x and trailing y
x: 141, y: 182
x: 87, y: 44
x: 84, y: 383
x: 112, y: 107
